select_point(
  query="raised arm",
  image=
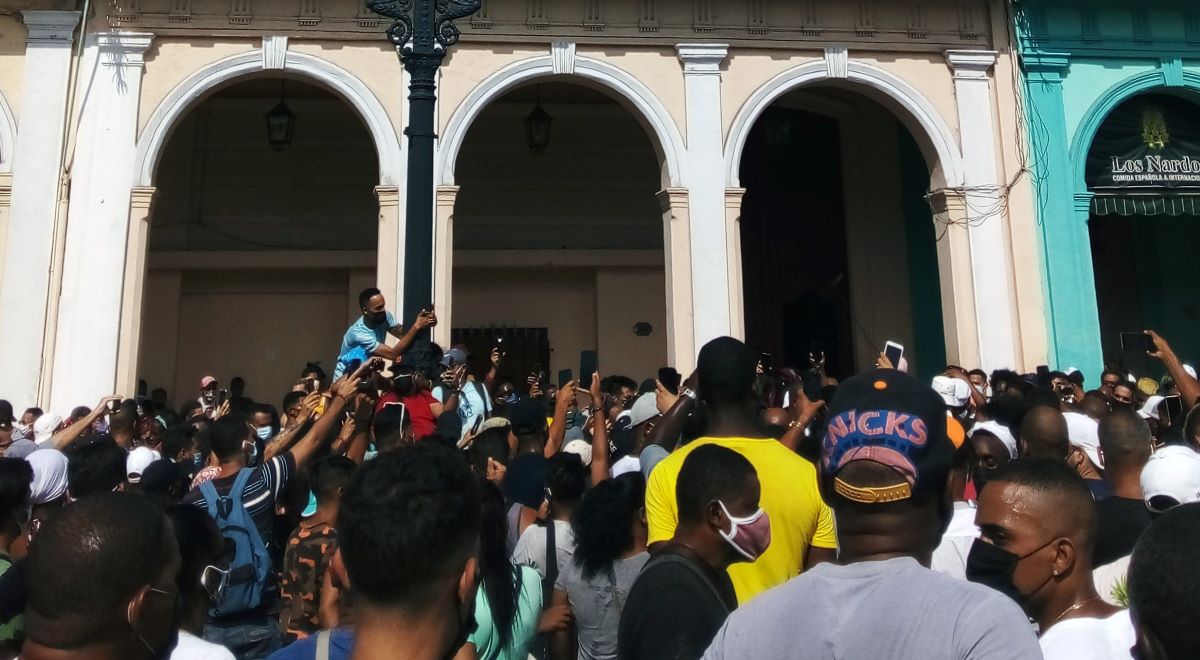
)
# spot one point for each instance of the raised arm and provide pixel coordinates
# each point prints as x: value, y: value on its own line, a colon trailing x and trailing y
x: 600, y: 459
x: 803, y: 412
x: 65, y: 437
x: 558, y: 427
x: 675, y: 411
x: 286, y: 437
x: 321, y: 432
x: 1189, y: 389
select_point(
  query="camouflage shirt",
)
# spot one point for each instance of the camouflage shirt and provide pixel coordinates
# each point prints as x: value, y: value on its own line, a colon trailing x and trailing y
x: 305, y: 560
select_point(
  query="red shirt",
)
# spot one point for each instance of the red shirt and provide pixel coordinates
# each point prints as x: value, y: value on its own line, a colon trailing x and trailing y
x: 418, y: 409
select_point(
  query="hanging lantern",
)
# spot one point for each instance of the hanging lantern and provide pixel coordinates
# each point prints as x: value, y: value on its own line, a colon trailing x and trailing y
x: 281, y: 121
x: 537, y: 126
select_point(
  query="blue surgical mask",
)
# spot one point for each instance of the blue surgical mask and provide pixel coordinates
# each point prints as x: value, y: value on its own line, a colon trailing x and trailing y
x: 264, y: 433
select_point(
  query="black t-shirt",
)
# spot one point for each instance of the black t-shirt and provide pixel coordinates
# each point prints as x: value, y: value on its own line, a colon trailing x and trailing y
x: 675, y: 608
x: 1121, y: 523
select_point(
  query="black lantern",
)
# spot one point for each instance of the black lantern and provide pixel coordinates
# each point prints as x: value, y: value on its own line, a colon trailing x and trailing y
x: 778, y: 127
x: 537, y: 126
x: 281, y: 121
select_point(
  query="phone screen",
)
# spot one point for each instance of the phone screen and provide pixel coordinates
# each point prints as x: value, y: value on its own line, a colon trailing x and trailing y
x: 893, y: 352
x: 588, y: 363
x: 564, y: 377
x: 1172, y: 409
x: 1138, y: 342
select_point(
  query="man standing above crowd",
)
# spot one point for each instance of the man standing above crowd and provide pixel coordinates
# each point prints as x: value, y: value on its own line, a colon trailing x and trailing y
x: 885, y: 464
x: 1037, y: 524
x: 370, y: 332
x: 803, y: 526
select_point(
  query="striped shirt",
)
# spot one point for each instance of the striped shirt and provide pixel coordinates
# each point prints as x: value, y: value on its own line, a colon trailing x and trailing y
x: 262, y: 491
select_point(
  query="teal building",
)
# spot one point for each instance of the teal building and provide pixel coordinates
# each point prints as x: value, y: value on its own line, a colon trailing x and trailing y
x: 1112, y: 108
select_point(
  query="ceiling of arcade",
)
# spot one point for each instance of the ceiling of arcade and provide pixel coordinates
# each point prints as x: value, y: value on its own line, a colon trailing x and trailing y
x: 885, y: 24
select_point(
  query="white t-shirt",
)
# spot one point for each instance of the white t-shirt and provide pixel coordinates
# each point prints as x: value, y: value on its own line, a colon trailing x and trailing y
x: 625, y: 464
x: 1109, y: 576
x: 1090, y: 639
x: 950, y: 557
x: 191, y: 647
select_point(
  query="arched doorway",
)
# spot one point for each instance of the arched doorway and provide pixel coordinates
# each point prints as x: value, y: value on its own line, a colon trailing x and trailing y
x: 839, y: 247
x: 258, y: 243
x: 560, y: 246
x: 1143, y: 170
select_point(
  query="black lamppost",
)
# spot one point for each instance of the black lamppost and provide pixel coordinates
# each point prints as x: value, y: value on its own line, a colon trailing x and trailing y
x: 422, y: 31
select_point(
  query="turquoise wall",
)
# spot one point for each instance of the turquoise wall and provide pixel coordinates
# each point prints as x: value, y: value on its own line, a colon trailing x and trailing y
x: 1080, y: 59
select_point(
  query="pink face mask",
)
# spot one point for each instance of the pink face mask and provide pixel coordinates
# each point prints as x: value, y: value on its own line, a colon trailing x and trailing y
x: 750, y: 536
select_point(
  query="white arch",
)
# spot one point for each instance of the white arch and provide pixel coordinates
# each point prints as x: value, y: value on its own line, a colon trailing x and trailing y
x: 196, y: 86
x: 917, y: 106
x: 8, y: 135
x: 647, y: 105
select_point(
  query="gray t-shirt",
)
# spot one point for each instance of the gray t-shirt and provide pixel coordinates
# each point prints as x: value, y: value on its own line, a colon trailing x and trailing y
x: 895, y: 609
x: 597, y: 603
x: 531, y: 548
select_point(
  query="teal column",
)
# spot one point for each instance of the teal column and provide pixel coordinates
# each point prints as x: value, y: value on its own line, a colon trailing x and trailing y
x: 1073, y: 324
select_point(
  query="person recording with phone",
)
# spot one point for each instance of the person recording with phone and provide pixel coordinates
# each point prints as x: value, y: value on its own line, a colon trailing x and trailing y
x: 370, y: 331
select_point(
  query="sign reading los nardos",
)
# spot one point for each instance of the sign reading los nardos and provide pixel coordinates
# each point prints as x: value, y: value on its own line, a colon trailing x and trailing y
x: 1151, y: 141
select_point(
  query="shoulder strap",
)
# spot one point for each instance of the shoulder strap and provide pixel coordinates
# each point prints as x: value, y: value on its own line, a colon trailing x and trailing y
x: 209, y: 491
x: 323, y: 645
x: 672, y: 558
x: 551, y: 565
x: 239, y: 485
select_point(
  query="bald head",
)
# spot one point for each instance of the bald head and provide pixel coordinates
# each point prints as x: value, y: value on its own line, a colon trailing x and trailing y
x: 1125, y: 440
x: 1094, y: 405
x: 1044, y: 434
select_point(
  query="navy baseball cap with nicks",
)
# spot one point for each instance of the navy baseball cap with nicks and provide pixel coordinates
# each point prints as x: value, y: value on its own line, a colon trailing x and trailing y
x: 890, y: 418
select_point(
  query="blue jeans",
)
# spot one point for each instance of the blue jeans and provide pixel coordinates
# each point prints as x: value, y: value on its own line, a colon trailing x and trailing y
x: 249, y: 639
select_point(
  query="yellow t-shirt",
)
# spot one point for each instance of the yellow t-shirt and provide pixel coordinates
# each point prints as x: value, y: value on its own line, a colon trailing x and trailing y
x: 799, y: 517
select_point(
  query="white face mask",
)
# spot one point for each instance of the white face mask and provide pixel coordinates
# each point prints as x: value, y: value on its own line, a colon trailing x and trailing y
x: 251, y: 451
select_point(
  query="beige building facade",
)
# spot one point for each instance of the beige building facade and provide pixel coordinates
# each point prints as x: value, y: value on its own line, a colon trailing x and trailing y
x: 792, y: 172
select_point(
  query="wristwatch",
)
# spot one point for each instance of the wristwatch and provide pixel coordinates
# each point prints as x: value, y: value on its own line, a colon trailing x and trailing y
x: 687, y: 392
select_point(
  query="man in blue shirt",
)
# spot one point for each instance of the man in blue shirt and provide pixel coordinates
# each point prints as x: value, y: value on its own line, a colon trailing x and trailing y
x: 371, y: 330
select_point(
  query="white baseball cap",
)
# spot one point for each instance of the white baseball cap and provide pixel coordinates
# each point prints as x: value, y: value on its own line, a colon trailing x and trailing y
x: 1191, y: 371
x: 1150, y: 409
x: 955, y: 392
x: 1084, y: 432
x: 1001, y: 432
x: 137, y: 461
x: 1171, y: 477
x: 581, y: 448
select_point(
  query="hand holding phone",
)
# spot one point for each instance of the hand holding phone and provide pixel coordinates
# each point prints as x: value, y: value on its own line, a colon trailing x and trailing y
x: 894, y: 352
x: 1137, y: 342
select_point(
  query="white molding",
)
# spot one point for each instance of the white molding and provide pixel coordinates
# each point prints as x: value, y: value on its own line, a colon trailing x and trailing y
x: 196, y: 86
x: 50, y: 27
x: 837, y: 62
x: 124, y: 49
x: 646, y: 105
x: 702, y: 59
x: 274, y: 52
x: 562, y: 54
x: 914, y: 103
x: 8, y: 138
x: 971, y: 64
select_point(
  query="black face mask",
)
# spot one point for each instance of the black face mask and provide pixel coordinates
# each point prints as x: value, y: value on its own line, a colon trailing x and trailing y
x: 993, y: 567
x: 375, y: 319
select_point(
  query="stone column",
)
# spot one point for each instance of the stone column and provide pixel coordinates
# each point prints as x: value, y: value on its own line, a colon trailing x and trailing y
x: 37, y: 172
x: 1072, y: 314
x: 990, y: 263
x: 443, y: 263
x: 98, y: 231
x: 733, y: 233
x: 387, y: 260
x: 677, y: 244
x: 706, y: 188
x: 5, y: 206
x: 141, y: 206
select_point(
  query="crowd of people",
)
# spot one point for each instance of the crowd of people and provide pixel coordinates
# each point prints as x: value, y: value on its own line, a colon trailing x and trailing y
x: 407, y: 508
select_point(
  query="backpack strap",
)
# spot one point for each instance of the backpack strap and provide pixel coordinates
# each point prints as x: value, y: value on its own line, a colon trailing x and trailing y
x: 551, y: 565
x: 211, y: 497
x: 239, y: 485
x: 671, y: 558
x: 323, y: 644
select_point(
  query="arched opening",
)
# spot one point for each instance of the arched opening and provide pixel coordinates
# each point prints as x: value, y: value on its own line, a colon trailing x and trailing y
x: 560, y: 249
x: 839, y: 247
x: 1143, y: 168
x: 257, y: 251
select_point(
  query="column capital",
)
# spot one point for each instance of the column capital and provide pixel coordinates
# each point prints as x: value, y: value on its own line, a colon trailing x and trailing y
x: 971, y: 64
x: 446, y: 195
x: 672, y: 198
x: 50, y: 27
x: 702, y: 59
x: 5, y: 189
x: 142, y: 198
x: 388, y: 195
x: 733, y: 197
x: 1051, y: 66
x: 125, y: 49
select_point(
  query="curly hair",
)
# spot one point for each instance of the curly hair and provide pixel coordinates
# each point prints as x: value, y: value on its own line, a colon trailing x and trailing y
x: 603, y: 520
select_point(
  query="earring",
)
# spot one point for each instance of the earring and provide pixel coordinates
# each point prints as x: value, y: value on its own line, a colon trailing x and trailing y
x: 1056, y: 572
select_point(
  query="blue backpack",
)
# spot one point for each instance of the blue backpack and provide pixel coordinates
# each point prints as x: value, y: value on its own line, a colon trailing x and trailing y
x: 250, y: 567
